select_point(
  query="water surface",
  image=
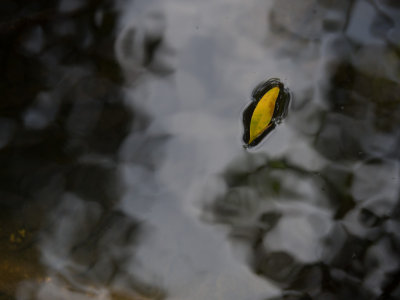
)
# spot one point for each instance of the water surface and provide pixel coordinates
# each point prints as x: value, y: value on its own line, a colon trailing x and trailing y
x: 122, y: 170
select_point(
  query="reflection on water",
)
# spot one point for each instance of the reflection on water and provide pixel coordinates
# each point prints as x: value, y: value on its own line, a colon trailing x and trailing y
x: 122, y: 171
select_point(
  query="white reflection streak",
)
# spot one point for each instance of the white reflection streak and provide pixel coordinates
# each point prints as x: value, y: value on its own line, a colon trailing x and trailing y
x: 198, y: 106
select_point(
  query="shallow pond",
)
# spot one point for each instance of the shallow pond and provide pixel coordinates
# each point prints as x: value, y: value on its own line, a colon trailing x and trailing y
x: 122, y: 170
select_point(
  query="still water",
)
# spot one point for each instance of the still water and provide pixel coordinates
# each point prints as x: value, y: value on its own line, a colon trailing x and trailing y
x: 122, y: 171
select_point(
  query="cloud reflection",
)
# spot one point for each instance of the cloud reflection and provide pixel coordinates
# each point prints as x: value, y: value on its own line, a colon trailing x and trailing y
x: 122, y: 162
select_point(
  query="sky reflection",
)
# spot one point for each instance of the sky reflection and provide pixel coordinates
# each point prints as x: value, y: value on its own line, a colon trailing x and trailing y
x: 123, y: 173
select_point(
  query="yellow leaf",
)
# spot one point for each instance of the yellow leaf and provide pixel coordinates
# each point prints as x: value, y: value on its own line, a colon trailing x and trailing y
x: 22, y: 232
x: 262, y: 114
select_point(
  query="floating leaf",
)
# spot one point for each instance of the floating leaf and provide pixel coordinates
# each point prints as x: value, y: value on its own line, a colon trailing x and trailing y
x: 269, y: 105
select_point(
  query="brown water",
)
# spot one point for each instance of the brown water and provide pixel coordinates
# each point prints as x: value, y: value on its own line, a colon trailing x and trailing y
x: 122, y: 171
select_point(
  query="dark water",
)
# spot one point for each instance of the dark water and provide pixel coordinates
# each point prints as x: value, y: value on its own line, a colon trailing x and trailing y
x: 122, y: 174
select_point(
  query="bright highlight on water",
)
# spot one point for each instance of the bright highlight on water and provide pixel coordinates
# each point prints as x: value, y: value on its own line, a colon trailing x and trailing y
x: 269, y: 105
